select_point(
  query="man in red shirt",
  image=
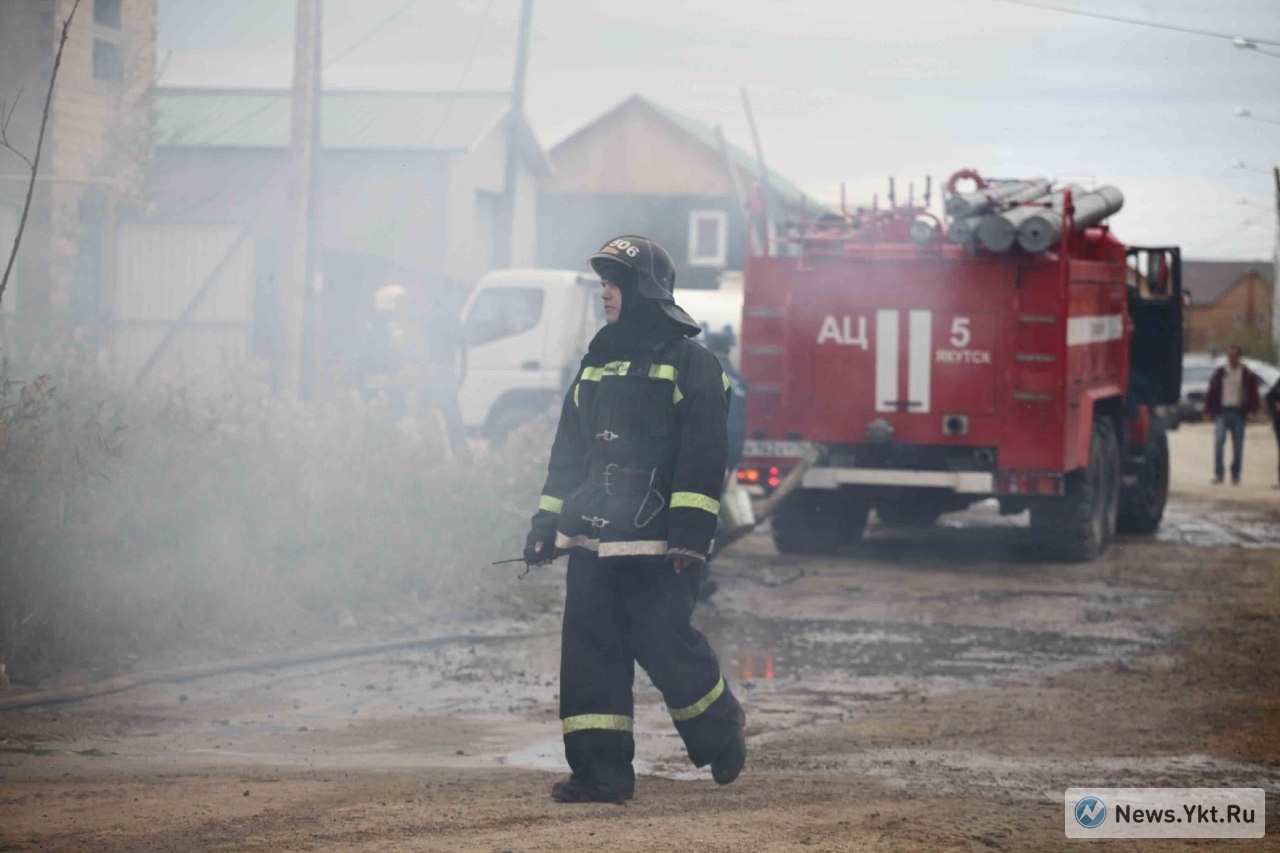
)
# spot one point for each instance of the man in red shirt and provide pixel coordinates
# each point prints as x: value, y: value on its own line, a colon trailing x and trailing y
x: 1231, y: 399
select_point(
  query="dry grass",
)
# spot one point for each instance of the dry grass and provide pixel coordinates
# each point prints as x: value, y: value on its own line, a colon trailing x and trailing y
x: 135, y: 520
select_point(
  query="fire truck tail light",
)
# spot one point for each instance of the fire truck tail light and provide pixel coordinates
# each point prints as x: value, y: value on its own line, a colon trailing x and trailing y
x: 749, y: 476
x: 774, y: 479
x: 1029, y: 484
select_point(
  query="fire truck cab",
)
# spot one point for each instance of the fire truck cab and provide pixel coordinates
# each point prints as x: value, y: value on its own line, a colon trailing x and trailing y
x: 925, y: 374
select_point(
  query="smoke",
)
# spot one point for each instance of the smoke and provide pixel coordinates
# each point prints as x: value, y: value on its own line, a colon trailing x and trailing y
x: 139, y: 522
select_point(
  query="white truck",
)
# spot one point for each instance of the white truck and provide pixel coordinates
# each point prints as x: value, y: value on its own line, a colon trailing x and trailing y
x: 527, y: 329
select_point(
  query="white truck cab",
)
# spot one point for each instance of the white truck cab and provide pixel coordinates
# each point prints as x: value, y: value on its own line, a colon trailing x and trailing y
x: 525, y: 331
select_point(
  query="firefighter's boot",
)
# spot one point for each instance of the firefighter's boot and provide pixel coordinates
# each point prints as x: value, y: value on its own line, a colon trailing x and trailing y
x: 726, y: 766
x: 577, y: 790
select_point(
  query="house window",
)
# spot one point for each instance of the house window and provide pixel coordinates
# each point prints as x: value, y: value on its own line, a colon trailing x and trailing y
x: 106, y: 61
x: 1239, y: 317
x: 106, y: 13
x: 108, y: 46
x: 708, y: 238
x: 502, y: 312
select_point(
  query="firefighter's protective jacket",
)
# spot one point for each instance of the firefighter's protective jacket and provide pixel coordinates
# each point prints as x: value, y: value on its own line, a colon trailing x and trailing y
x: 639, y: 455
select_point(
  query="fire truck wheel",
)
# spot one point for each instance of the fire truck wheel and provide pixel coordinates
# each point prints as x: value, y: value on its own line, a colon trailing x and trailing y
x: 1142, y: 505
x: 817, y: 521
x: 908, y: 515
x: 1078, y: 526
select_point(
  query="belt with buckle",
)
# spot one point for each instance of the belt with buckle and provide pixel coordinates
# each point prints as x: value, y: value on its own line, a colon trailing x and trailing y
x: 618, y: 480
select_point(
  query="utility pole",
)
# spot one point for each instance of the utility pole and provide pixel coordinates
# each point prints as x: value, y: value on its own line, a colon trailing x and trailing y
x: 765, y: 241
x: 515, y: 121
x: 1275, y: 269
x: 298, y: 262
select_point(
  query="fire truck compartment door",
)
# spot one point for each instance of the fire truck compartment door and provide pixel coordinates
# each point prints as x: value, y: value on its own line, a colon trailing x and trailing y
x: 916, y: 361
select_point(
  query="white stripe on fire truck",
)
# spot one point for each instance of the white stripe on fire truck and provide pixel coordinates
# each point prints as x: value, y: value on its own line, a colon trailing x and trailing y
x: 1094, y: 329
x: 919, y: 364
x: 887, y: 361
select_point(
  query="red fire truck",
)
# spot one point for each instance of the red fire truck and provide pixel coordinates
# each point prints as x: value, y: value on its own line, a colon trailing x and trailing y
x: 924, y: 371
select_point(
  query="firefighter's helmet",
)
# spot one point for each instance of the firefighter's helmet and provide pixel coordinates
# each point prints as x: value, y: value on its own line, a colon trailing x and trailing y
x: 654, y: 269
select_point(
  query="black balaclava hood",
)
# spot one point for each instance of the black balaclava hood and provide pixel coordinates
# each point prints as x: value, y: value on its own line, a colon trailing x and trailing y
x: 642, y: 324
x: 646, y: 275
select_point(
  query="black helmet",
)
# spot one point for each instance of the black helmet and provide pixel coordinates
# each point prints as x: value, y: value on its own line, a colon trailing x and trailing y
x: 654, y: 270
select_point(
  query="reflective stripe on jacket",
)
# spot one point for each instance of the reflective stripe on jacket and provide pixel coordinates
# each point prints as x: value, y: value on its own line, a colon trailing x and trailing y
x: 664, y: 412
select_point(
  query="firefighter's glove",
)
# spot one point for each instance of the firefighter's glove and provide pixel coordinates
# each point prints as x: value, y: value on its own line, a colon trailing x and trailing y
x: 539, y: 552
x: 682, y: 559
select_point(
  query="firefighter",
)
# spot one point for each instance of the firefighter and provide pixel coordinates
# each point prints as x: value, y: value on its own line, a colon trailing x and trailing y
x: 632, y: 496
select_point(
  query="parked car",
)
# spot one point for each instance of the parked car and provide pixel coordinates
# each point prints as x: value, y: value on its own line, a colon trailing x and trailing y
x: 1197, y: 369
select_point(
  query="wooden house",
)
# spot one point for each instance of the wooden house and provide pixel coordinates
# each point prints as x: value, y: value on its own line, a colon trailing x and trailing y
x: 410, y: 192
x: 643, y: 169
x: 94, y: 155
x: 1229, y: 302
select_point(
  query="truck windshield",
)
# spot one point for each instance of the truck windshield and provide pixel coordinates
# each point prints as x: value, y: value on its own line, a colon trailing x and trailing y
x: 501, y: 312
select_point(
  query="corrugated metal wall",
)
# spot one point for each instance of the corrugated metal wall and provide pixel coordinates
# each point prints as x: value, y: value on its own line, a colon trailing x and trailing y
x: 160, y: 269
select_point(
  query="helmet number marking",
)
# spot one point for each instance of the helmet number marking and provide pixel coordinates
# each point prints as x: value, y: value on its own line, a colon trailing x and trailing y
x: 626, y: 246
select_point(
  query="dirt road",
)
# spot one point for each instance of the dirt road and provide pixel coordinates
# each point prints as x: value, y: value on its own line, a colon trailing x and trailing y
x: 928, y: 690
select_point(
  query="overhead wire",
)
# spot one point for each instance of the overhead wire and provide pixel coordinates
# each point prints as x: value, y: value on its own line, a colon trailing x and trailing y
x: 351, y: 48
x: 466, y: 70
x: 1052, y: 7
x: 377, y: 28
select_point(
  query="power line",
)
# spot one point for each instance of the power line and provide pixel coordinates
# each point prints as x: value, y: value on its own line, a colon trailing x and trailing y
x: 466, y: 70
x: 351, y: 48
x: 1050, y: 7
x: 379, y: 27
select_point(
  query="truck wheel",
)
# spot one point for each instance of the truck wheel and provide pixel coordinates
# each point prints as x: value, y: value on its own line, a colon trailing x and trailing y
x: 817, y: 521
x: 909, y: 515
x: 1078, y: 526
x: 1142, y: 505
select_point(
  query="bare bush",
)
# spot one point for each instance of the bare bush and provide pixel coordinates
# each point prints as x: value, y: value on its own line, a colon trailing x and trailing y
x: 133, y: 521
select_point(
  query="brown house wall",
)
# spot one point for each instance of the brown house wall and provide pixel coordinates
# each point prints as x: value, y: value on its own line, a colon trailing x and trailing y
x: 91, y: 122
x: 637, y: 152
x: 1241, y: 312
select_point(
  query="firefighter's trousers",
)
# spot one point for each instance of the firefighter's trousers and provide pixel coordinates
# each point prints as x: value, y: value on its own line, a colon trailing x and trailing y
x: 617, y: 614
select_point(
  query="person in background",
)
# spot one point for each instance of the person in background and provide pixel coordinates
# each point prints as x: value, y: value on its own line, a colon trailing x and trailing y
x: 720, y: 343
x: 1231, y: 399
x: 1273, y: 408
x: 444, y: 364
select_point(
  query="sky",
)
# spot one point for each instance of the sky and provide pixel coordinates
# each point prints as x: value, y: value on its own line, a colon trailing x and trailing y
x: 843, y: 90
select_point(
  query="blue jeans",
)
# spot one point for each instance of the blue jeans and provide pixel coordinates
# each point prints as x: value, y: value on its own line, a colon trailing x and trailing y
x: 1229, y: 420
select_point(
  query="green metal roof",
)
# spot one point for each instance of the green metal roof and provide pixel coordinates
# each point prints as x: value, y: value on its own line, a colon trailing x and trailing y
x: 259, y: 118
x: 744, y: 161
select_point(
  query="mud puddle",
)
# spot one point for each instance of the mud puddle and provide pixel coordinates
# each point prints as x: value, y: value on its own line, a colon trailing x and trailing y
x: 854, y: 652
x: 948, y: 772
x: 1204, y: 524
x: 982, y: 529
